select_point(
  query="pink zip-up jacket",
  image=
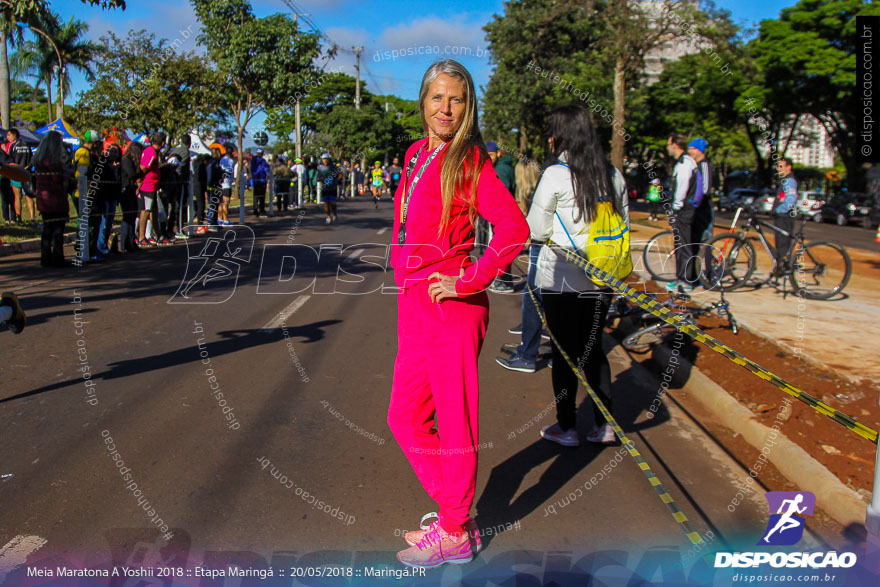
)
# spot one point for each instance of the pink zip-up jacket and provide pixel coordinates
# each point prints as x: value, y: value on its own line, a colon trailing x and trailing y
x: 424, y: 252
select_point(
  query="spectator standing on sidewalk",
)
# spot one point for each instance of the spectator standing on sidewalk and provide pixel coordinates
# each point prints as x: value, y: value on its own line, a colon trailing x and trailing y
x: 21, y: 154
x: 260, y: 173
x: 50, y: 180
x: 183, y: 177
x: 150, y: 162
x: 785, y: 210
x: 281, y: 174
x: 199, y: 186
x: 654, y: 197
x: 577, y: 178
x: 129, y: 177
x: 684, y: 188
x: 443, y: 310
x: 504, y: 168
x: 704, y: 215
x: 524, y: 356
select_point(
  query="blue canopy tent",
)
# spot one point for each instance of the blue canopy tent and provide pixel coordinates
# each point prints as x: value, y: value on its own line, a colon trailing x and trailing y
x: 67, y: 134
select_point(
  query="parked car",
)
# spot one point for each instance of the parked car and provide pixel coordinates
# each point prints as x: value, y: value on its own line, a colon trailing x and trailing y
x: 766, y: 200
x: 736, y: 198
x: 872, y: 219
x: 846, y: 207
x: 809, y: 204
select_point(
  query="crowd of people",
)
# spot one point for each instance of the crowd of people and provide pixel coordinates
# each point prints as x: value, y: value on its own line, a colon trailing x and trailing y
x: 128, y: 195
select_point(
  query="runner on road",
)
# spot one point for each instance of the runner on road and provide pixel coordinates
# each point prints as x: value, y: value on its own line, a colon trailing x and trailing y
x: 395, y: 172
x: 328, y: 176
x: 376, y: 182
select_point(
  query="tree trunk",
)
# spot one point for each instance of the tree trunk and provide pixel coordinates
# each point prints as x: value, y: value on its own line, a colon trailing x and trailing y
x: 59, y: 105
x: 4, y: 81
x: 617, y: 142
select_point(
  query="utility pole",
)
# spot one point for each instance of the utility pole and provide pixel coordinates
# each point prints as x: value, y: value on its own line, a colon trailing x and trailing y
x: 298, y: 126
x: 357, y: 67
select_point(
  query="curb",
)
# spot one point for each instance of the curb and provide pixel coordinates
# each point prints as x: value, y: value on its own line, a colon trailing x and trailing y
x: 839, y: 501
x: 30, y: 245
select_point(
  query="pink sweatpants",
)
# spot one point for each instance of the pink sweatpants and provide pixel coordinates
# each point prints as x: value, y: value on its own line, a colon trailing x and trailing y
x: 436, y: 382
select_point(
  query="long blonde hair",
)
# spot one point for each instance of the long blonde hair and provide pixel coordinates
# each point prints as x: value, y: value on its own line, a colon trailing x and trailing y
x: 527, y: 175
x: 466, y: 153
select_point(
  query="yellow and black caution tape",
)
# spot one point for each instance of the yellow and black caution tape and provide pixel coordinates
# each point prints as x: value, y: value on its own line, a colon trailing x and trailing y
x: 676, y: 512
x: 665, y: 314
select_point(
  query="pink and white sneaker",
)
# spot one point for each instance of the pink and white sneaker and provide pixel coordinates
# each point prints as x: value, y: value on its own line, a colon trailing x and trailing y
x: 436, y: 548
x: 413, y: 537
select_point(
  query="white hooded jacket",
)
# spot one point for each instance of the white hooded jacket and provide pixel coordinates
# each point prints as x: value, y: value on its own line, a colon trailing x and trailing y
x: 555, y: 193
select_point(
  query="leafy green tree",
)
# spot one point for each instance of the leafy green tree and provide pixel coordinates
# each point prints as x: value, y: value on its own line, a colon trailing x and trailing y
x: 807, y: 62
x: 321, y: 94
x: 145, y: 84
x: 263, y: 62
x: 531, y: 34
x: 355, y: 132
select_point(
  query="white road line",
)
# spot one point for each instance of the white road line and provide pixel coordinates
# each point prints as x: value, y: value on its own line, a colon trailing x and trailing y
x: 15, y: 552
x: 286, y: 313
x: 354, y: 256
x: 382, y: 230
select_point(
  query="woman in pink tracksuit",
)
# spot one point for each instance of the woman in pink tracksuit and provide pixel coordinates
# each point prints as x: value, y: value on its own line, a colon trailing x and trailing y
x: 443, y: 309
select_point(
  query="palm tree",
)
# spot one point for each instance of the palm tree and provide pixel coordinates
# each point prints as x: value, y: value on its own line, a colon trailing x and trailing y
x: 9, y: 34
x: 31, y: 62
x: 74, y: 53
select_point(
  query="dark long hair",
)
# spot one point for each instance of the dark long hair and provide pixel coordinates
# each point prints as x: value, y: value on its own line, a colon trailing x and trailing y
x: 134, y: 152
x: 573, y: 132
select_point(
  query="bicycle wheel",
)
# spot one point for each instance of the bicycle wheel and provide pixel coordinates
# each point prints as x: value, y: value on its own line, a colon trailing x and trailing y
x: 820, y: 270
x: 642, y: 340
x: 725, y: 262
x: 765, y: 262
x: 659, y: 256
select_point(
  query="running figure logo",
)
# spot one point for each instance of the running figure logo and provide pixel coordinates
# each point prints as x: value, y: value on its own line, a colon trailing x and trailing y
x: 786, y: 526
x: 212, y: 274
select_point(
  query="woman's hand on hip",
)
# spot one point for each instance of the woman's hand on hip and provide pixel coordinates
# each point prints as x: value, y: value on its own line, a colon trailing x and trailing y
x: 444, y: 287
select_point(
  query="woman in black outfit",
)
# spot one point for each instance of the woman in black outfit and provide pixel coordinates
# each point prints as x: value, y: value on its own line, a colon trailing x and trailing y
x: 129, y: 174
x: 200, y: 184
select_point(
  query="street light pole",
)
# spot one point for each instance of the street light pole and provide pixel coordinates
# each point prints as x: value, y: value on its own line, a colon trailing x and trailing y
x: 57, y: 54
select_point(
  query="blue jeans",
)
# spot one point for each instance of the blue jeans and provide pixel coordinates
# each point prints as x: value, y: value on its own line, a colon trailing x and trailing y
x: 106, y: 227
x: 531, y: 320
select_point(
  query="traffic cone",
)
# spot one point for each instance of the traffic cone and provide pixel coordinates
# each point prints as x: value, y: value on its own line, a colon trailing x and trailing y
x: 877, y: 236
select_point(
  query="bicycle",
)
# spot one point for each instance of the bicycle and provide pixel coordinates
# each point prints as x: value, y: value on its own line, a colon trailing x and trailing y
x: 659, y: 256
x: 817, y: 271
x: 641, y: 341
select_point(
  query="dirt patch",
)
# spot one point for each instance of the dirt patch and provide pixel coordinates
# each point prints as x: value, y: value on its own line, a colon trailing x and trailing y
x: 849, y: 456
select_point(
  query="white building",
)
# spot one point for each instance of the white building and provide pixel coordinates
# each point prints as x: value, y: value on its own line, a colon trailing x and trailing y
x: 679, y: 42
x: 812, y: 144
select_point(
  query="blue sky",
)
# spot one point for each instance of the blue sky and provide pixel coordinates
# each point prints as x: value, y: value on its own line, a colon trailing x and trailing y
x: 451, y: 28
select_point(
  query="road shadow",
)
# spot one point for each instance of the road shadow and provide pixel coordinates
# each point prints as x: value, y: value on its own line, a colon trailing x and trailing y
x: 232, y: 341
x: 499, y: 504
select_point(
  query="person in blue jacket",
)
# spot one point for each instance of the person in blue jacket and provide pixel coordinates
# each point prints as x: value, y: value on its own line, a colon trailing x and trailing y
x: 260, y: 173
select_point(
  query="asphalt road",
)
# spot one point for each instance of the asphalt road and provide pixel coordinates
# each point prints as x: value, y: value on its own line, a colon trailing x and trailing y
x: 291, y: 388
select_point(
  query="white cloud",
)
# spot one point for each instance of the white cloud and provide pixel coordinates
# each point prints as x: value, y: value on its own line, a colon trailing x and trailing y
x: 432, y: 31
